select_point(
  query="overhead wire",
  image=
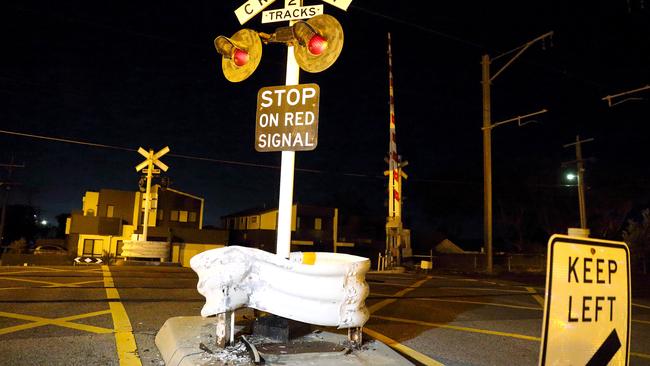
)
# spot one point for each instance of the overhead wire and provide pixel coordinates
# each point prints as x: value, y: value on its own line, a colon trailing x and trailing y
x: 223, y: 161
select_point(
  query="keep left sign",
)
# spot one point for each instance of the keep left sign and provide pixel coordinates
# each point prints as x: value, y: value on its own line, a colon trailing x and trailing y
x: 588, y: 302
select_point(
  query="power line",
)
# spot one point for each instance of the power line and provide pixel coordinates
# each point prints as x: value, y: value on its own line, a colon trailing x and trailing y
x: 561, y: 72
x: 181, y: 156
x: 223, y: 161
x: 420, y: 27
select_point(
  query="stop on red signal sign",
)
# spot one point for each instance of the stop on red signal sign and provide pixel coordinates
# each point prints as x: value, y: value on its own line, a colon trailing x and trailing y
x: 287, y: 118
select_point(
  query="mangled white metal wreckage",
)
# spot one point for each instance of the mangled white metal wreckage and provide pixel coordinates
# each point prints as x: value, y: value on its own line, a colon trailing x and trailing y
x: 327, y: 289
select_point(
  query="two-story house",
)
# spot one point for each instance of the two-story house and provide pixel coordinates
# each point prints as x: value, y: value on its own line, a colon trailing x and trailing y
x: 109, y: 217
x: 313, y: 228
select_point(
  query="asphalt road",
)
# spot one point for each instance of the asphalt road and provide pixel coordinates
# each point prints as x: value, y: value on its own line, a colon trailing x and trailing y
x: 75, y: 316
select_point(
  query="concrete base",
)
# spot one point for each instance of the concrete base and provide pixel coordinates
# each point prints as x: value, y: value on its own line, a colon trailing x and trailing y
x: 186, y: 341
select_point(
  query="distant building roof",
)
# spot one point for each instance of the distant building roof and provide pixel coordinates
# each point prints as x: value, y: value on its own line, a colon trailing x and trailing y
x: 267, y: 208
x: 447, y: 246
x: 251, y: 211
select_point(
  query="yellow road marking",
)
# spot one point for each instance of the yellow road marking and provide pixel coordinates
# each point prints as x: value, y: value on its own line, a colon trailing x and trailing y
x: 456, y: 327
x: 386, y: 302
x: 539, y: 299
x: 393, y: 343
x: 24, y: 271
x: 127, y: 350
x: 49, y: 268
x: 37, y: 321
x: 484, y: 303
x: 76, y: 284
x: 641, y: 321
x: 467, y: 302
x: 476, y: 330
x: 640, y: 306
x: 426, y: 360
x: 496, y: 289
x: 50, y: 283
x: 640, y: 355
x: 33, y: 281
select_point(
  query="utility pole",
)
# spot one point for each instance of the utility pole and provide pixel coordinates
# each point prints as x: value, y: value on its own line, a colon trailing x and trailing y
x: 610, y: 97
x: 580, y: 163
x: 486, y: 81
x: 6, y: 185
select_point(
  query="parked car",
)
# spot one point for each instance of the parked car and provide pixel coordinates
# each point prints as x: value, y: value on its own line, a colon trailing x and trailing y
x: 50, y: 249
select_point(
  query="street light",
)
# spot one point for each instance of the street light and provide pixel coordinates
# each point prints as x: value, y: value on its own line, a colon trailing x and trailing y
x: 487, y: 138
x: 570, y: 177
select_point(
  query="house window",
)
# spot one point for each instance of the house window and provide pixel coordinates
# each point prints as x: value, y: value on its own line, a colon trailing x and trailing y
x: 118, y: 248
x: 182, y: 216
x: 110, y: 209
x: 318, y: 223
x: 93, y: 247
x: 88, y: 246
x: 161, y: 215
x: 173, y: 216
x: 192, y: 217
x: 297, y: 223
x: 253, y: 219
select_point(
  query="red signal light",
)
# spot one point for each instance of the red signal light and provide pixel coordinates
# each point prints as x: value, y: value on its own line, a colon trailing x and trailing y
x: 240, y: 57
x: 317, y: 44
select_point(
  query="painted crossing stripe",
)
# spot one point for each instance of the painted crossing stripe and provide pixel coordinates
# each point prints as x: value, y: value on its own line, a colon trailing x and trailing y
x: 456, y: 327
x: 539, y: 299
x: 127, y: 350
x: 384, y: 303
x: 37, y: 321
x: 426, y: 360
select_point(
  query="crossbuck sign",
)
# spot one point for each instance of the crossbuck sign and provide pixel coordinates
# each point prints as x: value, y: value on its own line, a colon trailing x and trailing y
x: 252, y: 7
x: 588, y: 302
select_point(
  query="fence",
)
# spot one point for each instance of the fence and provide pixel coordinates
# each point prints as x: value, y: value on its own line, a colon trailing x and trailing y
x: 476, y: 262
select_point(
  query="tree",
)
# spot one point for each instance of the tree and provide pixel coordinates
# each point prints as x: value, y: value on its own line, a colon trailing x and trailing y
x: 61, y: 220
x: 21, y: 223
x: 637, y: 237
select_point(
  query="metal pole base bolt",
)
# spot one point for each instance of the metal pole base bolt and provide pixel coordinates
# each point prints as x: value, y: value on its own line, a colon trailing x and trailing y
x: 355, y: 337
x: 225, y: 329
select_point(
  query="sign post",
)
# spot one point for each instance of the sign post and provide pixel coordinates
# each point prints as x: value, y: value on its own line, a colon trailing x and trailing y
x: 588, y: 302
x: 285, y: 201
x: 152, y: 159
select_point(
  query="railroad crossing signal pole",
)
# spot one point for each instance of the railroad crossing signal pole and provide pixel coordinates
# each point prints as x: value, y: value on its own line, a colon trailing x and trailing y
x: 151, y: 160
x: 394, y: 225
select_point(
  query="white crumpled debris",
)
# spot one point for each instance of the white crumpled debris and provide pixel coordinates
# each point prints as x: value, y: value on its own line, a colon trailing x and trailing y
x: 331, y: 292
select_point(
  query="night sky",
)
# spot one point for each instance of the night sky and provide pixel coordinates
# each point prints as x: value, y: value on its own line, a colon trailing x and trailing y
x: 141, y: 73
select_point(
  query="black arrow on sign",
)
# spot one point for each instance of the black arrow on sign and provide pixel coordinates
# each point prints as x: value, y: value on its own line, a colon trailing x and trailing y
x: 606, y: 351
